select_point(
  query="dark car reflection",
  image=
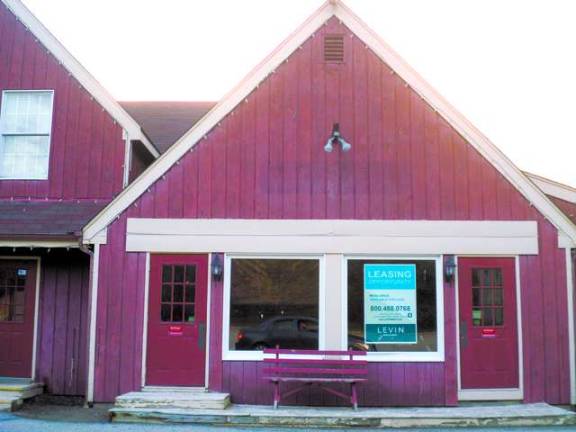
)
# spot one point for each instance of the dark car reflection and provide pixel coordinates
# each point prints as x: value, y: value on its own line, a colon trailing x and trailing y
x: 291, y: 332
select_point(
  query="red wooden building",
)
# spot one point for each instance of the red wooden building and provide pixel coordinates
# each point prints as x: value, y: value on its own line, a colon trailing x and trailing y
x: 289, y: 215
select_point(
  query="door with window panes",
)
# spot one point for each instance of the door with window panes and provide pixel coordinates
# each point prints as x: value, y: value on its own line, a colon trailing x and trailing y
x: 488, y: 325
x: 17, y: 302
x: 176, y: 345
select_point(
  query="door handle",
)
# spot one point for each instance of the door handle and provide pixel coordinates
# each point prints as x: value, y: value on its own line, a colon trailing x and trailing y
x: 463, y: 334
x: 201, y: 335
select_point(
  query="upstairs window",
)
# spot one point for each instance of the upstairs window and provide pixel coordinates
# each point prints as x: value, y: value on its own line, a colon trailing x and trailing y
x: 25, y: 125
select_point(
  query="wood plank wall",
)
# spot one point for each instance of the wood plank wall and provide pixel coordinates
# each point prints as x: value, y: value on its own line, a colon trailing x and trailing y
x: 266, y: 160
x: 63, y: 322
x: 87, y: 150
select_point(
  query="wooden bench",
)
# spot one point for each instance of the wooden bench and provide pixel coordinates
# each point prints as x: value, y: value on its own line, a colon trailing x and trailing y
x: 310, y: 367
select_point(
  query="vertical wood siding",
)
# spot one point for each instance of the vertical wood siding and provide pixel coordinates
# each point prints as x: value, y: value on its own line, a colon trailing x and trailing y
x: 63, y: 322
x: 266, y: 160
x: 86, y: 149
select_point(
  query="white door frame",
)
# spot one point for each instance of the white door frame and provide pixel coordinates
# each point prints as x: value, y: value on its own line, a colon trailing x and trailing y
x: 491, y: 394
x: 145, y: 323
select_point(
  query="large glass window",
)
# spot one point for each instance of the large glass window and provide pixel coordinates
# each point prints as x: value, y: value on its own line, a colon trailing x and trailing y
x: 273, y: 302
x: 392, y: 305
x: 25, y: 125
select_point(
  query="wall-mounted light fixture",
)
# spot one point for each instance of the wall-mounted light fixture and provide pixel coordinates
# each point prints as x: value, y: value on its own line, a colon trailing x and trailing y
x: 336, y: 137
x: 216, y: 268
x: 449, y: 268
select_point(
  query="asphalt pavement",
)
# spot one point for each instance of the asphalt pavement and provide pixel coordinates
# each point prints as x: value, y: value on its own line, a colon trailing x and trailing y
x: 94, y: 422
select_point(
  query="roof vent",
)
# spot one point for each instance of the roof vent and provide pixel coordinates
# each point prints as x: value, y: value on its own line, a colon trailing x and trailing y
x: 334, y: 48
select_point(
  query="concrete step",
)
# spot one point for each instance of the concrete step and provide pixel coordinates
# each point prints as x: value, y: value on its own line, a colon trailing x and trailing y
x: 24, y: 391
x: 14, y: 392
x: 190, y: 400
x: 522, y: 415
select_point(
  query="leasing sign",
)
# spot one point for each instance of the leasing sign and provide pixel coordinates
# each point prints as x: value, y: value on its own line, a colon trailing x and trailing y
x: 390, y: 304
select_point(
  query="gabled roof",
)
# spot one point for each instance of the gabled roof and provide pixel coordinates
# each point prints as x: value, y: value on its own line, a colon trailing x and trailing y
x: 334, y: 8
x: 553, y: 188
x: 80, y: 73
x: 165, y: 122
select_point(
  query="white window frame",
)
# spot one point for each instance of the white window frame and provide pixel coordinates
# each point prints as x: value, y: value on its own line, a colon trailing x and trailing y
x: 3, y: 104
x: 232, y: 355
x: 400, y: 356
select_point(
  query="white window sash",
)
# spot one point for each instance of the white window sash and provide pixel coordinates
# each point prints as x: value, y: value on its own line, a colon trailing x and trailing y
x: 400, y: 356
x: 233, y: 355
x: 27, y: 156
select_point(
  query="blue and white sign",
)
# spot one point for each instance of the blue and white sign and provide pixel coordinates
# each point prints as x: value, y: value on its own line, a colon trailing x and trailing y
x: 390, y: 304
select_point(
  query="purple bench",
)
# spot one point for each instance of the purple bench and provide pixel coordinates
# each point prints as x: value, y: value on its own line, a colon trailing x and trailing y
x: 310, y: 367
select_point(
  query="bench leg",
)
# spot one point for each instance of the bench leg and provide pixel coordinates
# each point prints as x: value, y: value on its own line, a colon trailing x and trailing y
x: 354, y: 398
x: 276, y: 394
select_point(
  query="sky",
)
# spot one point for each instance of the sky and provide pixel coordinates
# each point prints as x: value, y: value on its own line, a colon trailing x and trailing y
x: 508, y: 65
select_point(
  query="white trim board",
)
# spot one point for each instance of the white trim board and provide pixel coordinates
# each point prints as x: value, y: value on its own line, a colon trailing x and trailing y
x: 331, y: 236
x: 553, y: 188
x: 571, y: 332
x: 47, y: 244
x: 95, y: 268
x: 333, y: 8
x: 400, y: 356
x: 79, y: 72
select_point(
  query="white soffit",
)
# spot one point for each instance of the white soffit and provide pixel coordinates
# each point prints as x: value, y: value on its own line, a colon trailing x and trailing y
x: 555, y: 189
x: 239, y: 93
x: 84, y: 77
x: 331, y: 236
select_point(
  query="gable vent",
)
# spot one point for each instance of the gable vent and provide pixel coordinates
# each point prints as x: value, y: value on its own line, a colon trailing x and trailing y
x: 334, y: 48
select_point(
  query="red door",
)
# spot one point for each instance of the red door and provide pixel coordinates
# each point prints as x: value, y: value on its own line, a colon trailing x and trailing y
x: 488, y: 333
x: 177, y: 320
x: 17, y: 301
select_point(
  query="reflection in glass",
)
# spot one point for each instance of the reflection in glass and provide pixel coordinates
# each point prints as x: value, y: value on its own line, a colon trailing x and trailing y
x: 274, y: 302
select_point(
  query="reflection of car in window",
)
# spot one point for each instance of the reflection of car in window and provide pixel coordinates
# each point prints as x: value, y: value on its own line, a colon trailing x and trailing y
x: 287, y: 332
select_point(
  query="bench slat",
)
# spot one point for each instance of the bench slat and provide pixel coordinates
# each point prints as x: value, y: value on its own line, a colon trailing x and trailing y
x: 316, y: 361
x: 321, y: 371
x: 334, y: 380
x: 313, y: 352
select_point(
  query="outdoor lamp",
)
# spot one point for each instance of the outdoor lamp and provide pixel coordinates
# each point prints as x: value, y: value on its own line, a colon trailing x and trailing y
x: 216, y: 268
x: 336, y: 137
x: 449, y: 268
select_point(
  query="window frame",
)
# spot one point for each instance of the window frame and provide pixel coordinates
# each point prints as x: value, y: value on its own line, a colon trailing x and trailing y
x: 399, y: 356
x: 49, y: 134
x: 232, y: 355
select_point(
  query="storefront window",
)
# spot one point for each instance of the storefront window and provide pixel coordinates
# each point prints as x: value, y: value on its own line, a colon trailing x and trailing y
x: 392, y: 305
x: 273, y: 302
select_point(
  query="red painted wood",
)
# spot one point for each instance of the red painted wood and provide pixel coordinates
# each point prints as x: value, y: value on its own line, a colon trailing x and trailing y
x: 215, y: 378
x: 412, y: 155
x: 17, y: 334
x: 489, y: 353
x: 450, y: 351
x: 86, y: 144
x: 176, y: 350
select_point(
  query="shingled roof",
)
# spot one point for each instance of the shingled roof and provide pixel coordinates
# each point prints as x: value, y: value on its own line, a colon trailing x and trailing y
x: 51, y: 218
x: 165, y: 122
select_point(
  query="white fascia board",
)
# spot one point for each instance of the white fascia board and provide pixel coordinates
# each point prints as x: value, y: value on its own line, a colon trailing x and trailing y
x: 209, y: 121
x: 84, y: 77
x: 387, y: 54
x: 47, y: 244
x: 555, y: 189
x: 457, y: 120
x: 331, y: 236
